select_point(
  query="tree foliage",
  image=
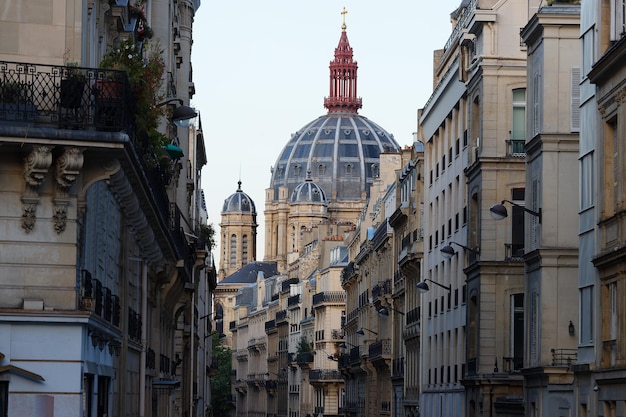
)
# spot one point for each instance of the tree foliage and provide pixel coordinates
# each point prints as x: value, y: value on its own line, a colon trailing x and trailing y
x: 220, y: 382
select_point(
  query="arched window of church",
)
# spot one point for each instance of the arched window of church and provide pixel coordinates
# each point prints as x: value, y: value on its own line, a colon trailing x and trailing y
x: 297, y: 170
x: 244, y: 250
x: 233, y: 251
x: 349, y: 169
x: 321, y: 169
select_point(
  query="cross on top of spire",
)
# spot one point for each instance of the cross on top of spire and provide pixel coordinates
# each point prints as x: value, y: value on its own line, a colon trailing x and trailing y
x: 343, y: 94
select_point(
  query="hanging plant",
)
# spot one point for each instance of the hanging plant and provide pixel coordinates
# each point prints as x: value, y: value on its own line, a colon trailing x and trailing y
x: 144, y: 66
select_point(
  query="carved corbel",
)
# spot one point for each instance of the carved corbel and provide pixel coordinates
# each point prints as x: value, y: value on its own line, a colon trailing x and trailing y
x: 59, y: 214
x: 29, y: 208
x: 36, y: 165
x: 68, y: 166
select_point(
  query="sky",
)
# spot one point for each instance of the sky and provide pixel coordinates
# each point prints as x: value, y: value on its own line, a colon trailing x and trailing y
x: 261, y: 72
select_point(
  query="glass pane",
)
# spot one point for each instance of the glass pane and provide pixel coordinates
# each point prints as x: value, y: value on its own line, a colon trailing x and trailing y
x: 518, y: 131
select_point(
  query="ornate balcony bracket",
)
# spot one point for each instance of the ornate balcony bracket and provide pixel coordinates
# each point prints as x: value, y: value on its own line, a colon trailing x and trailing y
x: 68, y: 166
x: 36, y: 165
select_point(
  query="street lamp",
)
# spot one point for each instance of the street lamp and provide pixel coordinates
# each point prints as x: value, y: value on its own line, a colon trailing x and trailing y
x: 218, y: 316
x: 499, y: 212
x: 384, y: 311
x: 423, y: 287
x: 182, y: 116
x: 360, y: 331
x: 448, y: 251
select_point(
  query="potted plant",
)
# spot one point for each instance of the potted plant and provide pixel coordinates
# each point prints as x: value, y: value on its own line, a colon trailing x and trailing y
x: 16, y: 101
x: 144, y: 66
x: 73, y: 86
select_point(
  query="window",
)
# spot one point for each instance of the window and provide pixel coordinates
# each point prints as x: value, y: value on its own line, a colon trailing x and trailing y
x: 4, y: 398
x: 244, y: 250
x: 586, y: 315
x: 518, y: 126
x: 575, y: 100
x: 349, y: 169
x: 533, y: 316
x: 618, y: 26
x: 321, y: 169
x: 612, y: 311
x: 536, y: 103
x: 517, y: 330
x: 473, y: 330
x: 233, y: 251
x: 586, y: 181
x: 103, y: 395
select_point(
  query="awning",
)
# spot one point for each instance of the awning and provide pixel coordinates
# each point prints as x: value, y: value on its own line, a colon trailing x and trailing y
x: 173, y: 151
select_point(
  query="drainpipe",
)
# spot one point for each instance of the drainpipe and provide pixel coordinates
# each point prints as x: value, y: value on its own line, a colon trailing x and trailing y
x: 144, y: 332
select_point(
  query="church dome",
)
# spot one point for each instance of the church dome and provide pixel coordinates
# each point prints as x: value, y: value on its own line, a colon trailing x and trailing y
x: 308, y: 192
x: 341, y: 149
x: 239, y: 202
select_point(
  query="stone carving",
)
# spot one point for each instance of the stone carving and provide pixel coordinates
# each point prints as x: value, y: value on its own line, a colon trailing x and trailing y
x: 68, y: 166
x: 36, y: 165
x: 29, y: 208
x: 59, y: 214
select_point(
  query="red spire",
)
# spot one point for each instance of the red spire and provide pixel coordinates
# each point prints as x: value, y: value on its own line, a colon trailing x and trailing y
x: 343, y: 97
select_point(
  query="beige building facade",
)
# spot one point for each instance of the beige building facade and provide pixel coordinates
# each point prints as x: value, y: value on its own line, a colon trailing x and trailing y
x: 104, y: 246
x: 473, y: 127
x: 601, y: 367
x: 551, y: 257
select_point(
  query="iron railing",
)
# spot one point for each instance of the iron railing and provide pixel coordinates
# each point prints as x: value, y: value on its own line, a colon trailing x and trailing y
x: 564, y: 357
x: 515, y: 148
x: 65, y: 97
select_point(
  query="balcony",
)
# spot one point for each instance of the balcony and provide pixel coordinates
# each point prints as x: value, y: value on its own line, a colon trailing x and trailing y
x: 329, y: 297
x: 515, y: 148
x: 90, y: 105
x: 304, y: 359
x: 380, y: 350
x: 324, y: 376
x: 286, y: 285
x: 381, y: 234
x: 63, y: 97
x: 270, y: 325
x: 281, y: 316
x: 355, y: 356
x: 293, y: 301
x: 381, y: 289
x: 564, y: 357
x: 514, y: 252
x: 348, y: 272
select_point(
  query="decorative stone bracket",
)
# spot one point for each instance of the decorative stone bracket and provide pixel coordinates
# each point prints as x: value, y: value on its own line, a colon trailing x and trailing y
x: 29, y: 208
x: 36, y: 165
x: 68, y: 167
x: 60, y: 214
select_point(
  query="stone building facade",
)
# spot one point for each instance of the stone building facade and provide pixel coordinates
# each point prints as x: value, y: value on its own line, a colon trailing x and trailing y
x: 104, y: 267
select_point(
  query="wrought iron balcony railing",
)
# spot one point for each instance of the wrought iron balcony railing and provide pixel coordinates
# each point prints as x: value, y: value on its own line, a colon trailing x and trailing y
x: 64, y: 97
x: 515, y: 148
